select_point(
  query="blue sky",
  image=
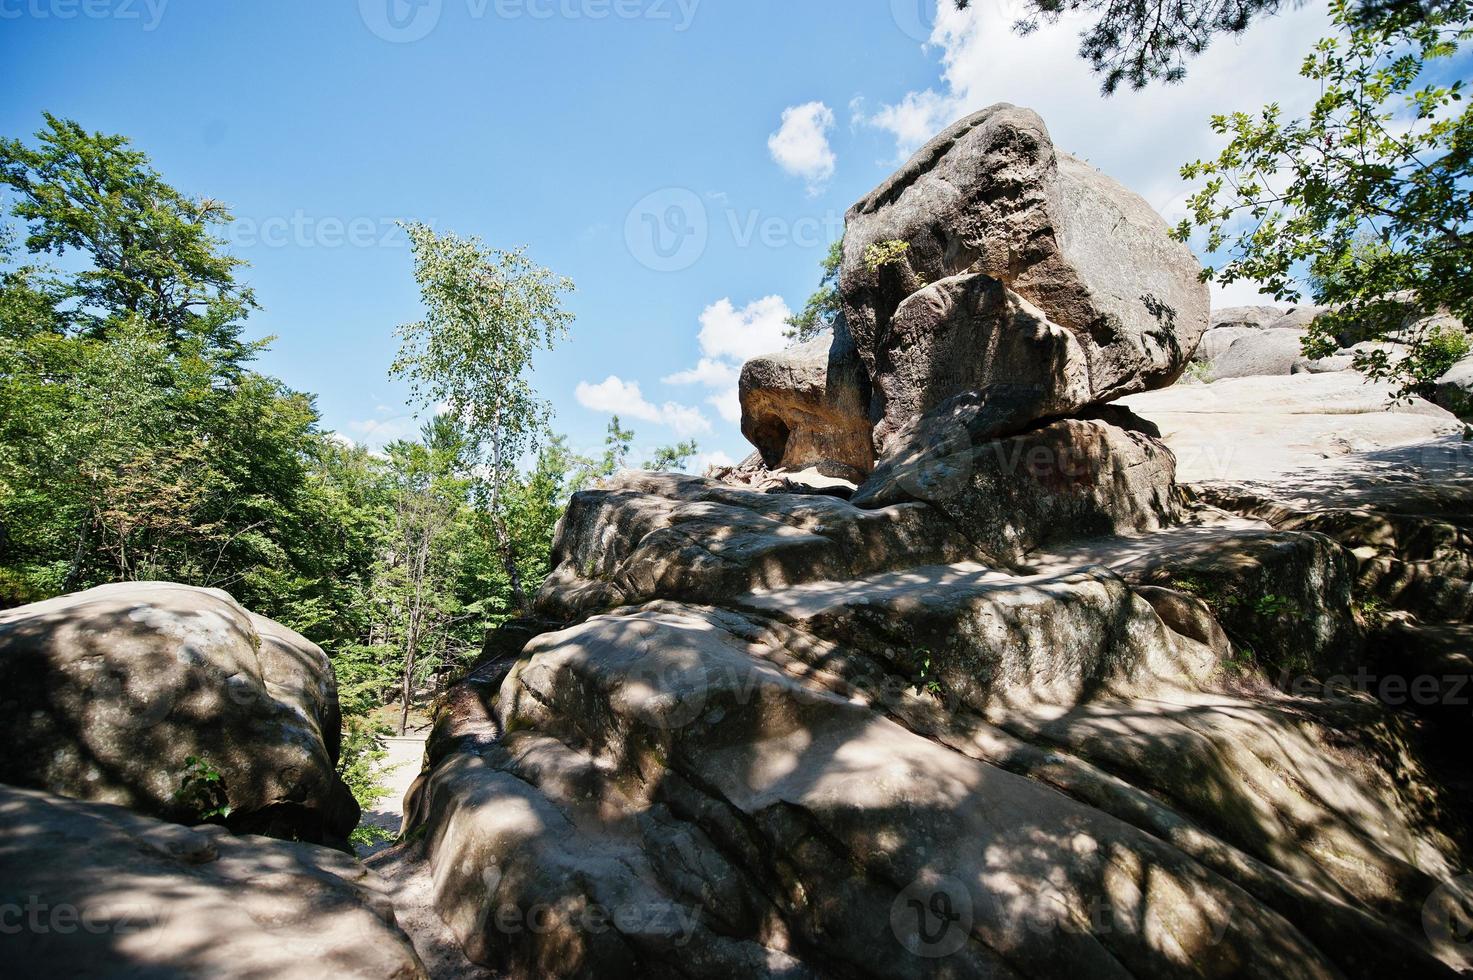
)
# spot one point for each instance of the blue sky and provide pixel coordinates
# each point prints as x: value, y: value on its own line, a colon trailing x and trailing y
x: 737, y: 131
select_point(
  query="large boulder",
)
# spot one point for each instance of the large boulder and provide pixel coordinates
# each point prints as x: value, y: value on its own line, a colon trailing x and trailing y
x: 991, y: 195
x: 679, y: 789
x: 1270, y: 352
x: 661, y: 535
x: 110, y: 693
x: 1074, y: 478
x: 807, y: 407
x: 968, y: 333
x: 1454, y: 390
x: 1215, y: 342
x: 1249, y: 317
x: 93, y: 890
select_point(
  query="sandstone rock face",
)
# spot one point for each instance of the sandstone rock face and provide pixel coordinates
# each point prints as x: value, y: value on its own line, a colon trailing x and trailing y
x: 109, y: 692
x: 649, y: 535
x: 1246, y: 317
x: 1216, y: 342
x: 991, y: 195
x: 93, y: 890
x: 966, y: 333
x: 1022, y: 706
x: 1269, y: 427
x: 1075, y: 478
x: 1454, y: 390
x: 1268, y: 352
x: 808, y: 407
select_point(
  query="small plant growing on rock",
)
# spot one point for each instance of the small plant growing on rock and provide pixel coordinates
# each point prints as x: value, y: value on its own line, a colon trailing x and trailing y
x: 880, y: 254
x: 1270, y: 604
x: 202, y: 789
x: 927, y: 682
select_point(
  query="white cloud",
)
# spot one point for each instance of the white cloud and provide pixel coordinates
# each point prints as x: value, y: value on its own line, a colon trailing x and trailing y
x: 728, y: 404
x: 619, y: 397
x: 704, y: 460
x: 1139, y: 138
x: 383, y: 431
x: 757, y: 328
x: 709, y: 372
x: 915, y: 118
x: 801, y: 144
x: 1240, y: 293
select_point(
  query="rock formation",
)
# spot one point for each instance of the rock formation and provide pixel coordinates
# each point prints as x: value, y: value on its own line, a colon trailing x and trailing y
x: 1021, y: 707
x: 110, y: 693
x: 92, y: 890
x: 808, y: 408
x: 991, y: 196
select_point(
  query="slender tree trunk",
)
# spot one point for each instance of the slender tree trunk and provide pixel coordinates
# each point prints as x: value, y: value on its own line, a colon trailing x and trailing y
x: 74, y: 573
x: 408, y: 688
x: 504, y: 544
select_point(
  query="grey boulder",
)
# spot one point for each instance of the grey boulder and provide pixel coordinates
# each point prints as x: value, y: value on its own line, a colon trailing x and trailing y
x: 966, y: 333
x: 1074, y: 478
x: 992, y: 195
x: 1216, y: 342
x: 92, y: 890
x: 1250, y: 317
x: 109, y: 693
x: 1269, y: 352
x: 1454, y: 390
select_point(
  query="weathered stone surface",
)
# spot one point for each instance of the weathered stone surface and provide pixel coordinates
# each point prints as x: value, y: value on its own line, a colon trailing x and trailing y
x: 1417, y: 561
x: 1249, y: 317
x: 1189, y: 616
x: 1216, y: 342
x: 966, y: 333
x: 991, y: 195
x: 1345, y: 359
x: 1266, y: 428
x: 1284, y: 598
x: 808, y: 407
x: 1454, y: 390
x: 1268, y: 352
x: 1073, y: 478
x: 651, y: 535
x: 686, y: 788
x: 92, y: 890
x: 1298, y: 318
x: 108, y: 692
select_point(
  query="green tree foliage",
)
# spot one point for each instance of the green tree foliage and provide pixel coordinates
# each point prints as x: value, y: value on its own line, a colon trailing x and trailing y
x: 675, y: 457
x: 617, y: 446
x: 136, y: 442
x: 487, y: 313
x: 149, y: 248
x: 823, y: 307
x: 1367, y: 197
x: 1136, y: 43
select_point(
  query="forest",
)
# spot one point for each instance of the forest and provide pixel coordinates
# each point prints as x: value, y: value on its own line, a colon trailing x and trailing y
x: 138, y: 444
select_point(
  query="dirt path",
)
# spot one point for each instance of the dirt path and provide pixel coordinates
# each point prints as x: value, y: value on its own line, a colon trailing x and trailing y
x: 401, y: 767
